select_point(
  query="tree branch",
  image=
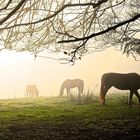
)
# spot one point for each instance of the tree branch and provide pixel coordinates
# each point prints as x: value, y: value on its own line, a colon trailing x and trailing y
x: 6, y: 5
x: 49, y: 17
x: 102, y: 32
x: 12, y: 12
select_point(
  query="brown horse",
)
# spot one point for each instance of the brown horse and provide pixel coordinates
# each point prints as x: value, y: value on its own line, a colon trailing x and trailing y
x: 68, y: 84
x: 129, y: 81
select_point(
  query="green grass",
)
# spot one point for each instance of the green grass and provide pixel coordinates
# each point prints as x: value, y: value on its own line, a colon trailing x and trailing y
x: 116, y: 117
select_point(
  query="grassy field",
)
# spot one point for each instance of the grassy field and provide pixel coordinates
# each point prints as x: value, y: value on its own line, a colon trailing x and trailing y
x: 66, y: 119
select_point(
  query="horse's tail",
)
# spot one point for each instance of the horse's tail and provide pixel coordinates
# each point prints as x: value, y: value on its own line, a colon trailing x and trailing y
x: 102, y: 88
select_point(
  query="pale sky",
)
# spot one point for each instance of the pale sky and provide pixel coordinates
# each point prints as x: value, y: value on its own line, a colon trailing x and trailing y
x: 19, y: 69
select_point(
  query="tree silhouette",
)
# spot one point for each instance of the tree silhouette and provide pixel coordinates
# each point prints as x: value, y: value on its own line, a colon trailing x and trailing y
x: 70, y: 28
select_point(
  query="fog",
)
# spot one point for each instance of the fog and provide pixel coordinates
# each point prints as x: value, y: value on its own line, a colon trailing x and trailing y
x: 17, y: 69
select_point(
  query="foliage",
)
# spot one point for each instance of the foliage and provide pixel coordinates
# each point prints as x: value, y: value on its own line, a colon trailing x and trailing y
x: 69, y: 28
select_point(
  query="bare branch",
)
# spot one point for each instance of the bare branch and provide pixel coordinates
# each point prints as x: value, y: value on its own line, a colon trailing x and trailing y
x: 10, y: 1
x: 104, y: 31
x: 13, y: 11
x: 94, y: 5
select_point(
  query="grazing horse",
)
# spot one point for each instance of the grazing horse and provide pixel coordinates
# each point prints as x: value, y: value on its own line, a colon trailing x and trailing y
x: 129, y: 81
x: 68, y: 84
x: 32, y: 91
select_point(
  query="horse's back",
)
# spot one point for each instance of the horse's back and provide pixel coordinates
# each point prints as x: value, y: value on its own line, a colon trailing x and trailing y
x: 71, y: 83
x: 78, y: 81
x: 120, y: 76
x: 121, y: 81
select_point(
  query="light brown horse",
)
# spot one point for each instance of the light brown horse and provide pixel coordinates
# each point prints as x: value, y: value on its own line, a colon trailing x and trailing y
x: 129, y: 81
x: 32, y: 91
x: 69, y: 84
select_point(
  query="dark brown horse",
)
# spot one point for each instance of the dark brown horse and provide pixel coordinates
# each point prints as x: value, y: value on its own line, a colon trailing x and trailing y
x: 129, y: 81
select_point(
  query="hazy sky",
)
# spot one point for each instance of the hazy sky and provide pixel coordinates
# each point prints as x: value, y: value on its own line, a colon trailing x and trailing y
x: 19, y: 69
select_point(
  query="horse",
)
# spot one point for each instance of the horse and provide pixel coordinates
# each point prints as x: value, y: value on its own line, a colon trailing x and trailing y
x: 35, y: 90
x: 32, y: 91
x: 72, y: 83
x: 121, y: 81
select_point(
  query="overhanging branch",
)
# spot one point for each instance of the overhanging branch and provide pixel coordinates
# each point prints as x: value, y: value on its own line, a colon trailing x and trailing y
x: 13, y: 12
x: 5, y: 7
x: 102, y: 32
x: 94, y: 5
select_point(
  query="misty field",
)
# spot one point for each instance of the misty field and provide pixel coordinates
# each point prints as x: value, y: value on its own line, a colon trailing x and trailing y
x: 66, y: 119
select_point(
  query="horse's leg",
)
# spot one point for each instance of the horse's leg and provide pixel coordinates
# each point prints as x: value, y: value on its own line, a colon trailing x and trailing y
x: 37, y: 93
x: 81, y: 89
x: 79, y: 94
x: 68, y: 92
x: 130, y: 97
x: 30, y: 94
x: 27, y: 94
x: 138, y: 96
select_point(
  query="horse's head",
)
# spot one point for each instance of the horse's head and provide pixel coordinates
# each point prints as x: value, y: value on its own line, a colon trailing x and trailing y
x: 102, y: 91
x: 102, y: 98
x: 61, y: 92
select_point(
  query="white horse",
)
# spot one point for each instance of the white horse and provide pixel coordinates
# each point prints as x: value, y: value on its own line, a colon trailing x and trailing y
x: 69, y: 84
x: 32, y: 91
